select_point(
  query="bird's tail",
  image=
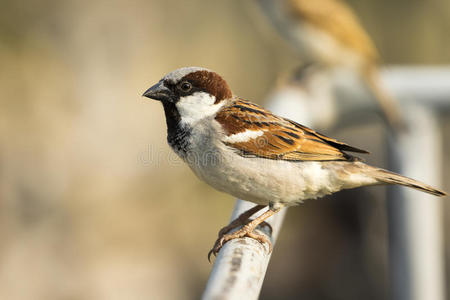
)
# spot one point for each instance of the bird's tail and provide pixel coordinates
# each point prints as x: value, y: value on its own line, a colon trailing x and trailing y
x: 387, y: 177
x: 389, y: 107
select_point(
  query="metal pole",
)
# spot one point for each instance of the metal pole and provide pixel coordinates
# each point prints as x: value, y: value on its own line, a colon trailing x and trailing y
x: 415, y: 219
x: 241, y: 264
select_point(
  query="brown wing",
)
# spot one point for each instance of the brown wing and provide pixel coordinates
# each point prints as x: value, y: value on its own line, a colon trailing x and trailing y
x: 254, y: 131
x: 336, y: 17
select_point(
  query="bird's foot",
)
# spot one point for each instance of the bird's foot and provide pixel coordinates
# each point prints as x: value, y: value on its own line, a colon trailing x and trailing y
x: 246, y: 231
x: 242, y: 220
x: 233, y: 225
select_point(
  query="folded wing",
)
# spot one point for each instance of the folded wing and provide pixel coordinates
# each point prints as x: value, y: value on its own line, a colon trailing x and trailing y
x: 254, y: 131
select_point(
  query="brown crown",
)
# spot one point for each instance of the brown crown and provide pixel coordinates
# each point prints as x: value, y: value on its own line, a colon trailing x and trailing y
x: 210, y: 82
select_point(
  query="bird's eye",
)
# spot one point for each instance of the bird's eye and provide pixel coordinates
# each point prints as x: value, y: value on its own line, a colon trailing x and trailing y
x: 185, y: 86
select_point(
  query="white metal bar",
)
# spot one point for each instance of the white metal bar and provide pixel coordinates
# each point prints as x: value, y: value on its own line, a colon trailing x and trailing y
x: 429, y: 86
x: 415, y: 219
x: 426, y: 85
x: 241, y: 264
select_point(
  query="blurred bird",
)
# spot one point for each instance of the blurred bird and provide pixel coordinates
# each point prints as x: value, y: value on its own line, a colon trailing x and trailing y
x: 328, y: 32
x: 250, y: 153
x: 312, y: 86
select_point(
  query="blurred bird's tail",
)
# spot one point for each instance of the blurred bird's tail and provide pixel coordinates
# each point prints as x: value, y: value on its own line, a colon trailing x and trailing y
x: 389, y: 107
x: 387, y: 177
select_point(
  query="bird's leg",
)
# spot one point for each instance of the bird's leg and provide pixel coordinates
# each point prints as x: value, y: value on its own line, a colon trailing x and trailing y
x: 241, y: 220
x: 246, y: 230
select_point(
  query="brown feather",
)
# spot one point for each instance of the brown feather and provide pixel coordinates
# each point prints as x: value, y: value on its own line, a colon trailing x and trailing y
x: 210, y: 82
x: 340, y: 21
x: 281, y: 138
x: 388, y: 177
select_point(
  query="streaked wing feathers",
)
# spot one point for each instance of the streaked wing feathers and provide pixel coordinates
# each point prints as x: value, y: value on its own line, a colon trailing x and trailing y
x: 255, y: 131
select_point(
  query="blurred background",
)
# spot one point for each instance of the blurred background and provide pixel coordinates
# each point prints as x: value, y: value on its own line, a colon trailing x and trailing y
x: 93, y: 203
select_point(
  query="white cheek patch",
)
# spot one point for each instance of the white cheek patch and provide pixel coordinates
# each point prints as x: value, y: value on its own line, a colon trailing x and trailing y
x: 196, y: 107
x: 244, y: 136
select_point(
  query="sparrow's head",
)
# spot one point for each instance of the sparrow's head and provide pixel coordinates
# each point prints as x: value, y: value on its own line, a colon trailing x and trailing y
x: 192, y: 93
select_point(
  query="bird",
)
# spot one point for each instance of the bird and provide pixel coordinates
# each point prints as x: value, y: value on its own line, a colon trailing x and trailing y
x: 242, y: 149
x: 328, y: 32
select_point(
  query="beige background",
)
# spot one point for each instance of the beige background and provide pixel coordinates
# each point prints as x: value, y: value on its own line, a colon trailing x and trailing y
x: 94, y: 205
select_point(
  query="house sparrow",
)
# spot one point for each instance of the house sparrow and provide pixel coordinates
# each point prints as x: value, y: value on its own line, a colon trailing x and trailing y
x: 328, y: 32
x: 248, y: 152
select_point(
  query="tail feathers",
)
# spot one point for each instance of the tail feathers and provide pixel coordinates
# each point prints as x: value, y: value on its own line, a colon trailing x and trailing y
x: 387, y: 177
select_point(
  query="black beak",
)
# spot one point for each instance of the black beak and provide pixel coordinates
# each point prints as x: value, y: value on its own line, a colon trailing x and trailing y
x: 159, y: 92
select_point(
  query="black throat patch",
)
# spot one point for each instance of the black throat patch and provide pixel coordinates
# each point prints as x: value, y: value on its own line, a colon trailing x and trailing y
x: 177, y: 135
